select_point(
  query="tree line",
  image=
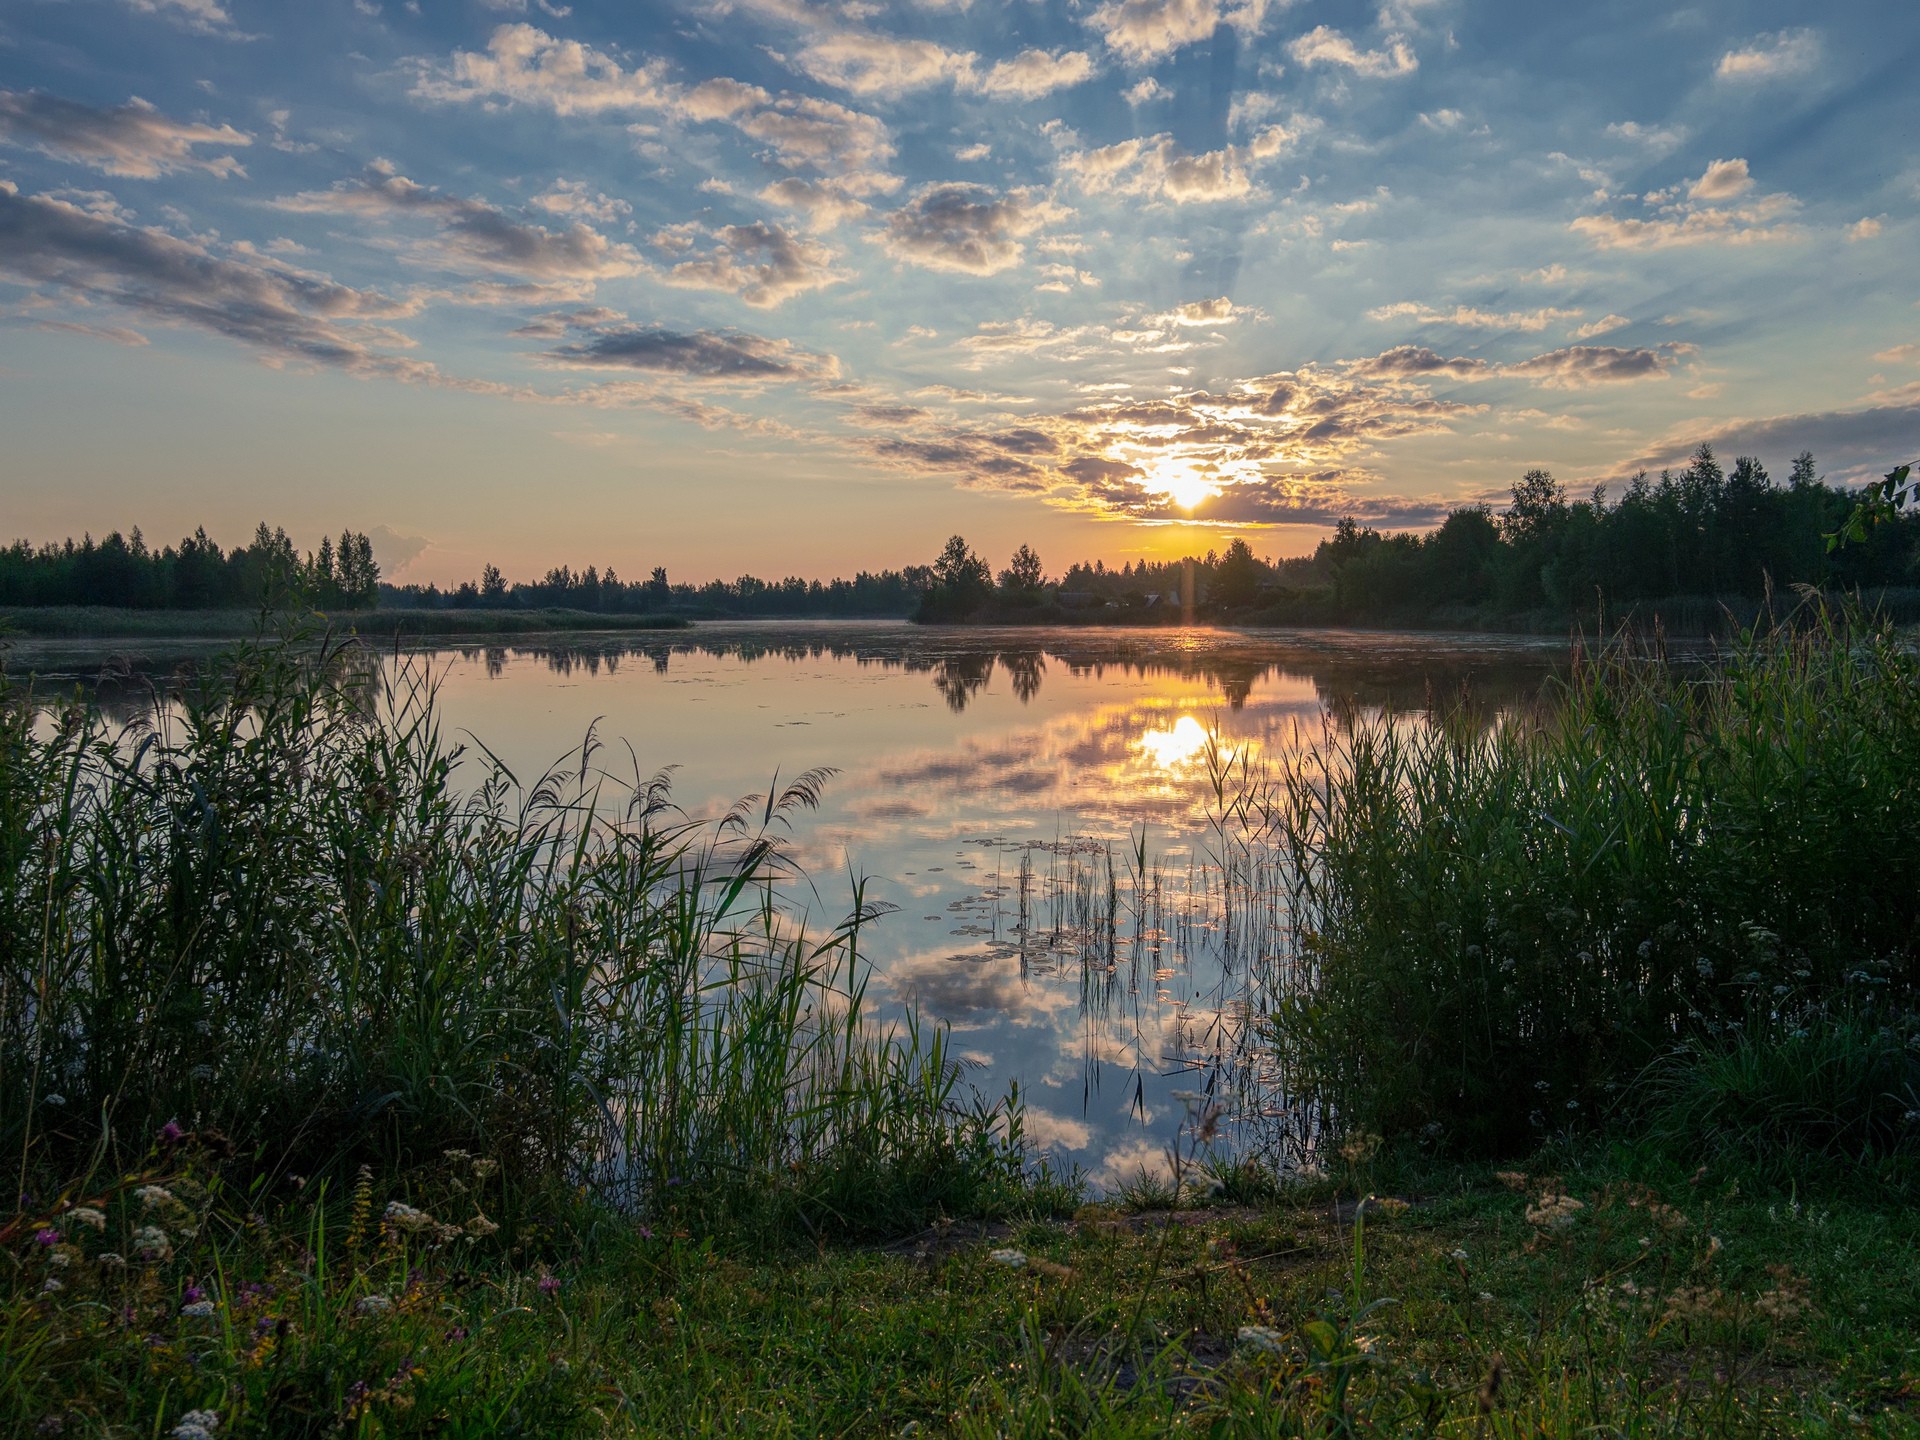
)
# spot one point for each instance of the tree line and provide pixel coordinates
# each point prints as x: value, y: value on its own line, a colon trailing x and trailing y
x: 125, y: 572
x: 1704, y: 533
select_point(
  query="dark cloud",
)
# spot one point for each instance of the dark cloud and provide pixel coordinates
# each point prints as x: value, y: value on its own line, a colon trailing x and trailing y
x: 967, y: 229
x: 134, y: 139
x: 761, y: 262
x: 707, y: 355
x: 1581, y: 365
x: 283, y: 312
x: 473, y: 233
x: 1850, y: 445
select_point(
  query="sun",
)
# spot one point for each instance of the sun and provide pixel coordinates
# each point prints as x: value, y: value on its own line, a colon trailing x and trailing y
x: 1175, y: 746
x: 1184, y: 484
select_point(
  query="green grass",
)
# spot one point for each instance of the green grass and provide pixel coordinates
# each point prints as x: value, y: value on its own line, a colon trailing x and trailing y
x: 1682, y: 1308
x: 104, y: 622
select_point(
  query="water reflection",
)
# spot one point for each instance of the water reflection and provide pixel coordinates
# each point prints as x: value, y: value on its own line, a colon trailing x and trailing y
x: 1035, y: 803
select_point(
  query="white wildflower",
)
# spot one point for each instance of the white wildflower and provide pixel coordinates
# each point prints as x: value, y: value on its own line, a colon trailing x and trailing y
x: 1012, y: 1259
x: 153, y: 1197
x: 54, y: 1100
x: 198, y: 1309
x: 483, y: 1168
x: 113, y: 1260
x: 480, y: 1226
x: 150, y: 1242
x: 1460, y: 1255
x: 51, y: 1286
x: 408, y: 1218
x: 372, y: 1305
x: 197, y: 1425
x: 1263, y: 1338
x: 59, y: 1259
x: 88, y: 1216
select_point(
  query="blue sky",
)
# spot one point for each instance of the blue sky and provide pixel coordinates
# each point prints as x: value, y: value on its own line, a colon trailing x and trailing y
x: 762, y: 285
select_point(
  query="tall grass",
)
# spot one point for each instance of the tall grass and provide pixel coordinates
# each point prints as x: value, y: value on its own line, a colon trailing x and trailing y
x: 1498, y: 930
x: 285, y: 908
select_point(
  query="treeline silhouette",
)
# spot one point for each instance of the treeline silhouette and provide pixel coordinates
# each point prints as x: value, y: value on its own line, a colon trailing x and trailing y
x: 603, y: 592
x: 1685, y: 548
x: 196, y: 574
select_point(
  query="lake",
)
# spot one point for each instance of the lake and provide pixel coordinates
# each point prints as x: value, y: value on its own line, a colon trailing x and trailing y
x: 997, y: 788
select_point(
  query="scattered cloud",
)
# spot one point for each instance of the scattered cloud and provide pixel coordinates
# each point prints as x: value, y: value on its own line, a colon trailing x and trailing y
x: 1323, y: 45
x: 1772, y: 56
x: 761, y: 263
x: 1723, y: 180
x: 728, y: 357
x: 471, y: 233
x: 202, y: 17
x: 1143, y: 30
x: 1705, y: 215
x: 868, y: 64
x: 133, y: 140
x: 1033, y: 73
x: 965, y: 229
x: 525, y: 65
x: 92, y: 257
x: 578, y: 199
x: 1529, y: 321
x: 1605, y: 325
x: 1866, y: 228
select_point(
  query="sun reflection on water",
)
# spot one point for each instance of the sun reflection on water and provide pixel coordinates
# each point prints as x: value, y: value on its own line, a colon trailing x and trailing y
x: 1176, y: 746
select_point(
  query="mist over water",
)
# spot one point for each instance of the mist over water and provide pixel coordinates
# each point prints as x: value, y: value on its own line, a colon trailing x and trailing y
x: 1034, y: 805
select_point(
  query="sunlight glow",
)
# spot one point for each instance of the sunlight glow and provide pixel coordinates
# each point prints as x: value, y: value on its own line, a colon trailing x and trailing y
x: 1184, y: 484
x: 1171, y: 748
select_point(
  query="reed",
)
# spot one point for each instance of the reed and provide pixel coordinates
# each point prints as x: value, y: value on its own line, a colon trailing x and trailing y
x: 1495, y: 931
x: 285, y: 909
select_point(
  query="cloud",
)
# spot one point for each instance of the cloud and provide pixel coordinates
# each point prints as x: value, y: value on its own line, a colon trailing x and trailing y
x: 881, y: 64
x: 1147, y: 88
x: 571, y: 197
x: 1158, y: 167
x: 396, y: 551
x: 1705, y: 216
x: 1579, y: 366
x: 1528, y: 321
x: 1771, y: 56
x: 966, y: 229
x: 1324, y: 45
x: 528, y: 66
x: 1574, y: 367
x: 824, y: 202
x: 1722, y: 180
x: 717, y: 356
x: 1899, y: 355
x: 1852, y: 445
x: 1605, y: 325
x: 1219, y: 311
x: 203, y: 17
x: 286, y: 314
x: 473, y: 233
x: 133, y: 140
x: 1033, y: 73
x: 1143, y: 30
x: 1276, y: 449
x: 1867, y: 228
x: 761, y: 263
x: 1657, y: 138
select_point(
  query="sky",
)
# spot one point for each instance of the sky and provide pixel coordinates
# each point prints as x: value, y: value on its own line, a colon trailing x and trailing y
x: 778, y: 287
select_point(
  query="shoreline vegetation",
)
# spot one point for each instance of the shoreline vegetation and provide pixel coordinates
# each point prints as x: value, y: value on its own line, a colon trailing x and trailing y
x: 351, y: 1085
x: 106, y: 622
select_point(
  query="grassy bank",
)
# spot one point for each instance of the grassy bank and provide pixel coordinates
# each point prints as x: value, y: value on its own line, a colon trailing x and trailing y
x: 92, y: 621
x: 1575, y: 1300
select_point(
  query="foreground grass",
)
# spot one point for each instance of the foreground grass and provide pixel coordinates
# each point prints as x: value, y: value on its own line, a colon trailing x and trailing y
x: 1684, y: 1309
x: 109, y: 622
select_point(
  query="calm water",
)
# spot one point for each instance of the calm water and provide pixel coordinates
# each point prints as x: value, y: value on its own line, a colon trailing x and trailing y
x: 982, y: 774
